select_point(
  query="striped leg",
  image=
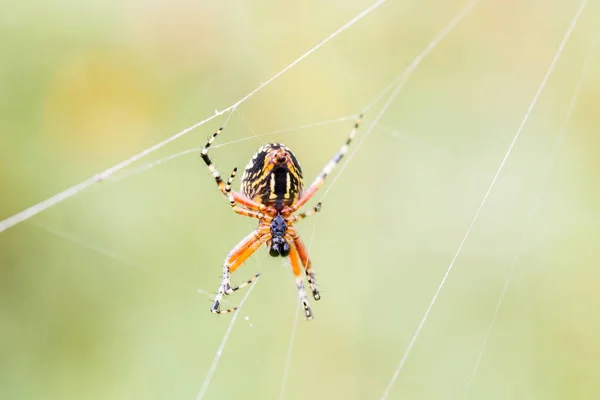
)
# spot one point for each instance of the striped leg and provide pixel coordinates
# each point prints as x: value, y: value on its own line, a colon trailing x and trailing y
x: 239, y: 210
x: 306, y: 214
x: 227, y: 191
x: 209, y: 163
x: 236, y: 257
x: 318, y: 182
x: 225, y: 188
x: 296, y: 269
x: 248, y: 213
x: 310, y: 274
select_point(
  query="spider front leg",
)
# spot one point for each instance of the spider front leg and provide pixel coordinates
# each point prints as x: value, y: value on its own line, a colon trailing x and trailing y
x: 318, y: 182
x: 236, y: 257
x: 225, y: 188
x: 296, y: 269
x: 204, y: 154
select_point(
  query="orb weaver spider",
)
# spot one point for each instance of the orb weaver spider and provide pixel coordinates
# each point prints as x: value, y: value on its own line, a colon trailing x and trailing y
x: 272, y: 192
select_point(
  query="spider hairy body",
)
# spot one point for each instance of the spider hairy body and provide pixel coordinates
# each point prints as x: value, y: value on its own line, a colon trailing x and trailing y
x: 273, y: 177
x: 272, y: 191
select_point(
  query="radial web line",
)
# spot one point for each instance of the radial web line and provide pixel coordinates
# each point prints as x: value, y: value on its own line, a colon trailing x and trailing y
x: 514, y: 140
x: 213, y: 366
x: 59, y: 197
x: 288, y: 356
x: 536, y: 205
x: 399, y: 81
x: 254, y: 135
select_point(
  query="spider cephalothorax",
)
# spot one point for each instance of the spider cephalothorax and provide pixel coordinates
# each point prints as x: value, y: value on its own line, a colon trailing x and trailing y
x: 272, y: 192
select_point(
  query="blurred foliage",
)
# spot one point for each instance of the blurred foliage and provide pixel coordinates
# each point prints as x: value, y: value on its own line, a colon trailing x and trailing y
x: 98, y: 294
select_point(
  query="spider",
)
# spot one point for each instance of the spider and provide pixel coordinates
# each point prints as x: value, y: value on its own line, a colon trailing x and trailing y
x: 272, y: 192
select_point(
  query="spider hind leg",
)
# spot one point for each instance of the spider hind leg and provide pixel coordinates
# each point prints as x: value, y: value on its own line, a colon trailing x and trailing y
x: 227, y: 290
x: 295, y: 262
x: 236, y: 257
x: 310, y: 274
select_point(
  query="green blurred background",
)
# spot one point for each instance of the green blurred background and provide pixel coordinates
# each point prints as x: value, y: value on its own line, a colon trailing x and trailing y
x: 98, y: 295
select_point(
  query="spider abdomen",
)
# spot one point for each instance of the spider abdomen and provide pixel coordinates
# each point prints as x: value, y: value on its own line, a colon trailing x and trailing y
x: 273, y: 176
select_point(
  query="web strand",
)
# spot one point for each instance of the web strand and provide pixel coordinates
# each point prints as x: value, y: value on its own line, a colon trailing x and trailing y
x: 254, y: 135
x: 213, y: 366
x: 59, y: 197
x: 536, y: 205
x: 398, y: 83
x: 514, y: 140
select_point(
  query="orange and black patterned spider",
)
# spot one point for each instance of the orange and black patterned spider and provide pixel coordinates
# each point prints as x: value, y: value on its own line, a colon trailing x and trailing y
x: 272, y: 192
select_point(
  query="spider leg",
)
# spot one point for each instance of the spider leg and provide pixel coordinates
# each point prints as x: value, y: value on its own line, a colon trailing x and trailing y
x: 232, y: 196
x: 240, y: 253
x: 248, y: 213
x: 306, y: 214
x: 239, y: 210
x: 227, y: 191
x: 209, y: 163
x: 318, y: 182
x: 310, y: 274
x: 295, y: 261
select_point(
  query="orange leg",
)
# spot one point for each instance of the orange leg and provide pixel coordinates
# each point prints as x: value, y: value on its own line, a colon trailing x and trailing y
x: 236, y: 257
x: 296, y: 269
x: 248, y: 213
x: 310, y: 275
x: 251, y: 204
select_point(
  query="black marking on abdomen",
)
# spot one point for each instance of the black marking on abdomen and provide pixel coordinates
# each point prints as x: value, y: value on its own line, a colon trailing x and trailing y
x: 281, y: 179
x: 273, y: 176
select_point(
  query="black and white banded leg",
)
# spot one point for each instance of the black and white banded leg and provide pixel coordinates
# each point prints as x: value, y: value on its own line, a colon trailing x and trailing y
x: 296, y: 269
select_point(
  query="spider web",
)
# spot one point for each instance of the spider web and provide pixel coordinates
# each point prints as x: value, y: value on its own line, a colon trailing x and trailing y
x: 326, y: 343
x: 485, y: 197
x: 536, y: 204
